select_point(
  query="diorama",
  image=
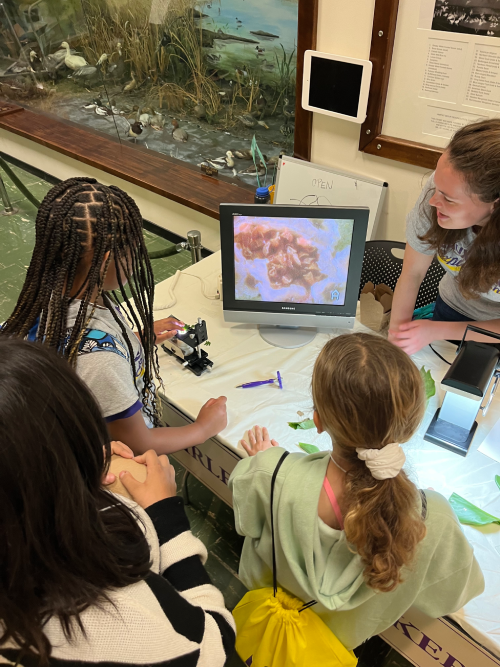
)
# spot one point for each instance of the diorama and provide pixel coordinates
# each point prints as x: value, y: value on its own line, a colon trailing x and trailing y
x: 211, y: 83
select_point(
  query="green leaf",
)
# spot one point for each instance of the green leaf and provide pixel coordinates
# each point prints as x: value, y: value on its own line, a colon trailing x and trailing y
x: 309, y: 449
x: 304, y: 424
x: 470, y: 514
x: 497, y: 480
x: 254, y: 148
x: 429, y: 384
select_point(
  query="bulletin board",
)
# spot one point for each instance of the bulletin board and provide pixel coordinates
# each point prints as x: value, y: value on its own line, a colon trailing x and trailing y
x: 436, y: 68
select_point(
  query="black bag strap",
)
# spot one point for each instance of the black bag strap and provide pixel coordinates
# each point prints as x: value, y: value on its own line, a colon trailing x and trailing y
x: 273, y: 481
x: 424, y: 504
x: 275, y: 573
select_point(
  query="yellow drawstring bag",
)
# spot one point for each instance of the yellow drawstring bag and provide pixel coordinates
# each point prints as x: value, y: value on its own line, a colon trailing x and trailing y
x: 276, y: 629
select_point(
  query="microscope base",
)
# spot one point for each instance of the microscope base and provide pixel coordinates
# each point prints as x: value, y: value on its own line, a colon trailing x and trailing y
x: 195, y: 364
x: 450, y: 436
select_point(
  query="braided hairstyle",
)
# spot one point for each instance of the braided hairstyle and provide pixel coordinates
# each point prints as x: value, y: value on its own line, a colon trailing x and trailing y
x: 78, y: 216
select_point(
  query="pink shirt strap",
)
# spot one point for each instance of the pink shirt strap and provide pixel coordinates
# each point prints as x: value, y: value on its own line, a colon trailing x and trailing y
x: 333, y: 501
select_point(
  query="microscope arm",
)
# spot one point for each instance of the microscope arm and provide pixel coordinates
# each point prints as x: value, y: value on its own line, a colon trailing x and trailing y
x: 494, y: 386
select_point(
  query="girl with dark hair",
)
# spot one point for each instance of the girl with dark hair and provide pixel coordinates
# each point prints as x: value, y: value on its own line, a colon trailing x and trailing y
x: 457, y: 218
x: 89, y: 245
x: 87, y: 577
x: 353, y: 532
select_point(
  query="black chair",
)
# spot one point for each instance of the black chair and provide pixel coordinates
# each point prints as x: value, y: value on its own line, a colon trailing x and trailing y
x: 380, y: 265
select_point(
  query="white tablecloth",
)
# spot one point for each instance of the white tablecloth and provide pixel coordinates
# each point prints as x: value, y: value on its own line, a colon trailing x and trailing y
x: 240, y: 355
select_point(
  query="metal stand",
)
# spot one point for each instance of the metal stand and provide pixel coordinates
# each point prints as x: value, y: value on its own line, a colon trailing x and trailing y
x: 194, y: 244
x: 8, y: 208
x: 287, y: 337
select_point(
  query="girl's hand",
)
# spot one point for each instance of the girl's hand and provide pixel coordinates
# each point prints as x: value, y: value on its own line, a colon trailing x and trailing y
x: 167, y: 328
x: 119, y: 449
x: 259, y: 441
x: 212, y: 417
x: 159, y: 484
x: 413, y: 336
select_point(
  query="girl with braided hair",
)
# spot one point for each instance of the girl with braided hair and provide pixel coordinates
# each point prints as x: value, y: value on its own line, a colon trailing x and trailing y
x: 89, y: 245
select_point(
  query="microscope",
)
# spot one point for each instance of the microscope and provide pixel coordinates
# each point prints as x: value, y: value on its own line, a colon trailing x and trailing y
x: 185, y: 346
x: 466, y: 385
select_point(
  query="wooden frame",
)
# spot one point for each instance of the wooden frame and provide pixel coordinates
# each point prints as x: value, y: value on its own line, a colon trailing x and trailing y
x: 168, y: 177
x: 371, y: 138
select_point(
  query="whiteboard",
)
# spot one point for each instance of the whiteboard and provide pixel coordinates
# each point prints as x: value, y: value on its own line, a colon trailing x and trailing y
x: 308, y: 184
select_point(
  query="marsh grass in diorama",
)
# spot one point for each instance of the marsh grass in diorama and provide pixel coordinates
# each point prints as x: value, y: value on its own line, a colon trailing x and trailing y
x: 195, y: 80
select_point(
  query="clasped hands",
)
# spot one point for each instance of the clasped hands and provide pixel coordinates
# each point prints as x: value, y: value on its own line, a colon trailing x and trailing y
x: 160, y: 479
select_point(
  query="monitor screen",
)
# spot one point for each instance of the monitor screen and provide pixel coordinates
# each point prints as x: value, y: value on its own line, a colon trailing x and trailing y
x: 335, y: 85
x: 292, y: 259
x: 291, y: 265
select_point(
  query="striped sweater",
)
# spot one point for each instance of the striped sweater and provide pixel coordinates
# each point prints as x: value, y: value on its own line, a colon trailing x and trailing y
x: 174, y: 618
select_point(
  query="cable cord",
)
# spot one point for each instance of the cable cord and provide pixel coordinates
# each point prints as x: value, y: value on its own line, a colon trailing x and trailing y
x: 437, y: 354
x: 173, y: 285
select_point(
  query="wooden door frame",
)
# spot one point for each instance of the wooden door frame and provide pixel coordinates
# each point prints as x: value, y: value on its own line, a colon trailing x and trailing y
x: 372, y: 140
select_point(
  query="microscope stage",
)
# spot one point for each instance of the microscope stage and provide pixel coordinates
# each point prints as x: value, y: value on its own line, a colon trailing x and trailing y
x: 450, y: 436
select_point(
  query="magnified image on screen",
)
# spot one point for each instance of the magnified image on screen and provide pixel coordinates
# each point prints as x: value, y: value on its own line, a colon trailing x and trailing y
x: 296, y: 260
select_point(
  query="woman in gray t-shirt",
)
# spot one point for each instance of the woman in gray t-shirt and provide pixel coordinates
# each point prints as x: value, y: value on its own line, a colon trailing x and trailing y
x: 456, y: 218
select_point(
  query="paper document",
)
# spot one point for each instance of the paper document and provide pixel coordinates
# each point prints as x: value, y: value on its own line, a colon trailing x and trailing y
x: 483, y: 89
x: 491, y: 444
x: 445, y: 122
x: 443, y: 69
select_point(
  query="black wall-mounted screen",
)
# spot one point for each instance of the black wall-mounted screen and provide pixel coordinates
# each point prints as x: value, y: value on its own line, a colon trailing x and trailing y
x: 335, y: 86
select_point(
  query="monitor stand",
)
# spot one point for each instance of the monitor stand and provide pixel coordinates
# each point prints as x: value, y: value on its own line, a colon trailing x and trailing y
x: 287, y: 337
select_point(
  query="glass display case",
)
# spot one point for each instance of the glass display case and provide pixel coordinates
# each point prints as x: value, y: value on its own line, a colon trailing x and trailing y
x: 211, y: 83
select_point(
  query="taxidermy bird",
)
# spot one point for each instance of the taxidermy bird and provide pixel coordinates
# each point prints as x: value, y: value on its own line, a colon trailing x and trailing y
x: 18, y: 68
x: 157, y: 122
x: 135, y: 130
x: 211, y: 163
x: 247, y: 120
x: 287, y: 112
x: 131, y: 85
x: 103, y: 111
x: 260, y: 170
x: 178, y: 133
x: 222, y: 162
x: 286, y: 129
x: 165, y: 41
x: 261, y: 104
x: 84, y: 74
x: 199, y: 111
x: 54, y: 60
x: 243, y: 154
x: 35, y: 61
x: 116, y: 68
x: 71, y: 61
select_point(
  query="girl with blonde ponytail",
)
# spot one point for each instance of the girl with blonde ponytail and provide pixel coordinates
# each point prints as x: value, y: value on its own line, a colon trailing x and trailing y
x: 353, y: 531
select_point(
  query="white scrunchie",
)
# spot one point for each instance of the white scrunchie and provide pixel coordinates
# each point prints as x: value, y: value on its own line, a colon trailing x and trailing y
x: 383, y: 463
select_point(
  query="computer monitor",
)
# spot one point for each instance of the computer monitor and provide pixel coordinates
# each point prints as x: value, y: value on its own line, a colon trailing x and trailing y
x: 293, y: 270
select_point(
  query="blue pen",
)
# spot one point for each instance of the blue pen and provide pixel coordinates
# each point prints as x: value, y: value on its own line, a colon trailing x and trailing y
x: 247, y: 385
